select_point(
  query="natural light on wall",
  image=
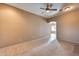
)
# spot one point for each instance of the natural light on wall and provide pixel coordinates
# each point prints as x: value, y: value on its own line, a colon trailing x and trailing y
x: 53, y: 30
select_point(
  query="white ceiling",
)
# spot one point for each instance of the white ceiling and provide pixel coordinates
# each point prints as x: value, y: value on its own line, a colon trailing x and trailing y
x: 35, y: 8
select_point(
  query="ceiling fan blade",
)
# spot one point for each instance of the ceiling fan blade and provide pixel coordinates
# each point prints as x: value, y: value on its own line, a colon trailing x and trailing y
x: 43, y: 8
x: 54, y: 9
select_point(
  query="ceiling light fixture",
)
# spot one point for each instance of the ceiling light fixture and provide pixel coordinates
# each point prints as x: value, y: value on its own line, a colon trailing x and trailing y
x: 47, y: 11
x: 67, y: 8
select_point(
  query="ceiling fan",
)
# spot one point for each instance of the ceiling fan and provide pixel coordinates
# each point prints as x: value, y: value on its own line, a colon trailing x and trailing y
x: 48, y: 8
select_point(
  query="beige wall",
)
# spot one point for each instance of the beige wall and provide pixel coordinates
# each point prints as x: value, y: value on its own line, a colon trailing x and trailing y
x: 20, y: 26
x: 68, y: 26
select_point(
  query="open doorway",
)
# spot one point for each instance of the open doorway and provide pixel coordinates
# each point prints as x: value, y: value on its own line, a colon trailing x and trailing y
x: 53, y: 29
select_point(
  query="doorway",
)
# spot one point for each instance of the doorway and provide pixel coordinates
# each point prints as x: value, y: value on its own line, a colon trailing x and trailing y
x: 53, y: 29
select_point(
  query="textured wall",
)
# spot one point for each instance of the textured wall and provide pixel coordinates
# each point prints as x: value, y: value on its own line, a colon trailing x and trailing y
x: 18, y: 26
x: 68, y: 26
